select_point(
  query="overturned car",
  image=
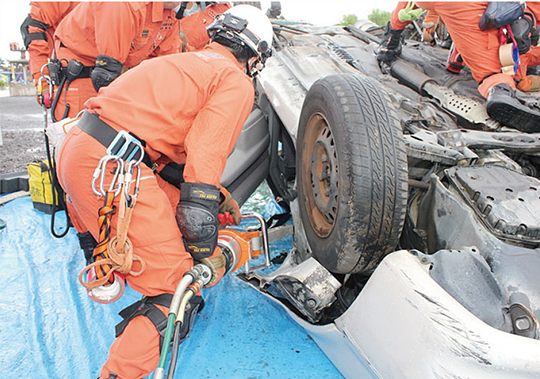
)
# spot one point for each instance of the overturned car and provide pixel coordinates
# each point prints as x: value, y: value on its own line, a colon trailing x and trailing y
x: 416, y: 220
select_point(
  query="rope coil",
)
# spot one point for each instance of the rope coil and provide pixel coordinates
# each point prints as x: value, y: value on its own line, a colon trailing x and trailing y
x: 113, y: 254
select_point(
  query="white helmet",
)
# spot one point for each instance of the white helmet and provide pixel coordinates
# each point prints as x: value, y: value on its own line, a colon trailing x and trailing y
x: 247, y: 26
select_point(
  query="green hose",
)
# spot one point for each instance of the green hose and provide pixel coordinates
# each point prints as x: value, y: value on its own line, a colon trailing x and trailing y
x: 173, y: 311
x: 178, y: 304
x: 160, y: 371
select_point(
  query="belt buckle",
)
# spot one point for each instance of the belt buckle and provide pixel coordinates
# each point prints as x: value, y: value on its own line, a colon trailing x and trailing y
x: 121, y: 144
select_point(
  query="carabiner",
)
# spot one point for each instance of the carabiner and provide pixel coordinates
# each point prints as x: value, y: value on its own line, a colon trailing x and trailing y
x: 131, y: 199
x: 101, y: 170
x: 47, y: 78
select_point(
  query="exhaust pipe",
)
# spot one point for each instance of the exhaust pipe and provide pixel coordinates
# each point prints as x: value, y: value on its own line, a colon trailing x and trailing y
x: 410, y: 76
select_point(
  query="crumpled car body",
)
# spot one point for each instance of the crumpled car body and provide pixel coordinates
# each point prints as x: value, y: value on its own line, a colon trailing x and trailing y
x: 416, y: 222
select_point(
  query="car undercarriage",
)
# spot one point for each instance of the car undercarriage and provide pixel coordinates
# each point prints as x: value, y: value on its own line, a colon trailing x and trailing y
x: 416, y: 221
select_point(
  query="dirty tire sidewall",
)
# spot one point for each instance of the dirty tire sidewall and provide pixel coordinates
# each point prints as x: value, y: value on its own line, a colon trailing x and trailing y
x: 367, y: 180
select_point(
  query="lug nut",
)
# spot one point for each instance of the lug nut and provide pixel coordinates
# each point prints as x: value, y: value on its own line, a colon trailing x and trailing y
x: 522, y: 323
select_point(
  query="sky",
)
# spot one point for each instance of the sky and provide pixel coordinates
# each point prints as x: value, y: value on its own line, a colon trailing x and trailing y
x: 13, y: 13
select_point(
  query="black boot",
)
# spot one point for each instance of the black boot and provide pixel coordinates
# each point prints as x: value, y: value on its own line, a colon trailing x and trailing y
x: 390, y: 46
x: 503, y: 106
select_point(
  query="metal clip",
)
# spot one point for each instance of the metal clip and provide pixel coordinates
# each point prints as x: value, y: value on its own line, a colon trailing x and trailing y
x: 46, y: 78
x: 131, y: 199
x: 121, y: 144
x: 101, y: 170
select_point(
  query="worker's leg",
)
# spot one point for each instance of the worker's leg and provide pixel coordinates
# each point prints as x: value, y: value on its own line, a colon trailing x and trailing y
x: 155, y: 237
x: 493, y: 80
x: 479, y: 49
x: 135, y: 353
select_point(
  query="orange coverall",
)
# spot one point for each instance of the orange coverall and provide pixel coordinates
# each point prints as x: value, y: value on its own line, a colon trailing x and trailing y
x: 479, y: 48
x: 126, y: 31
x: 194, y: 26
x: 49, y: 13
x: 188, y: 108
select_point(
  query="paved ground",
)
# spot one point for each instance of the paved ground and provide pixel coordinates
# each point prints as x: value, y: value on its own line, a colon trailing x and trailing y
x: 21, y: 128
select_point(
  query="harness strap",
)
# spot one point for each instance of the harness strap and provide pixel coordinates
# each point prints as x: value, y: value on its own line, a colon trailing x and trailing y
x: 86, y: 72
x: 147, y: 307
x: 105, y: 134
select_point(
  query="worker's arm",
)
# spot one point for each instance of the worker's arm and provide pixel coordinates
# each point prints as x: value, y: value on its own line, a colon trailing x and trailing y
x: 38, y: 31
x: 214, y: 131
x: 117, y: 24
x: 404, y: 13
x: 39, y: 39
x: 208, y: 143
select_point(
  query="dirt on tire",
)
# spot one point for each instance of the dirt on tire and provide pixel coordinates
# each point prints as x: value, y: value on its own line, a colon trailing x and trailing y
x: 351, y: 173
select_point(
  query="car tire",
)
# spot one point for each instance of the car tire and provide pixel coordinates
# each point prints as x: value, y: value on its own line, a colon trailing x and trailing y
x: 351, y: 173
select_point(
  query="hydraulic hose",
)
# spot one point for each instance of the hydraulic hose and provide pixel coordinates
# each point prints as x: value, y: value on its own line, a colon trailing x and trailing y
x: 160, y: 370
x: 175, y: 348
x: 177, y: 326
x: 189, y: 277
x: 175, y: 303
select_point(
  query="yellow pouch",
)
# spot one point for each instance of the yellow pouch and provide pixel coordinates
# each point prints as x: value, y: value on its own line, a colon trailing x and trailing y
x: 39, y: 183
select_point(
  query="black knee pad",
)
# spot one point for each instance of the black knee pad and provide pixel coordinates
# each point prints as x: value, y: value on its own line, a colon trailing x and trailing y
x: 197, y: 218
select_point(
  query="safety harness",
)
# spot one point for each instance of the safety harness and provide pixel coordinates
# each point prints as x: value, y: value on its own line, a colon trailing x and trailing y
x: 147, y: 307
x: 105, y: 134
x: 115, y: 141
x: 62, y: 77
x: 125, y: 151
x: 114, y: 254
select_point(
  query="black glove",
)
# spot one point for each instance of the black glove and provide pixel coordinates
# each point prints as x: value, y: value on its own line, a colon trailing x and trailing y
x: 107, y: 69
x: 197, y: 218
x: 390, y: 46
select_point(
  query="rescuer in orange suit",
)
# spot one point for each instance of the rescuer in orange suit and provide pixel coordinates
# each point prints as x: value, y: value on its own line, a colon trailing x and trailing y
x: 188, y: 108
x: 194, y: 18
x: 480, y: 51
x: 98, y: 40
x: 38, y: 35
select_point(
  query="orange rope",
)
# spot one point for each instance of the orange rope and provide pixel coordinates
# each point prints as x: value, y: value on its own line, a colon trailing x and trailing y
x: 114, y: 254
x: 120, y: 248
x: 100, y: 252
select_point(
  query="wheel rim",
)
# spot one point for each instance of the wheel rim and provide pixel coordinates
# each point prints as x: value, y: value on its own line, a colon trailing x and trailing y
x: 320, y: 174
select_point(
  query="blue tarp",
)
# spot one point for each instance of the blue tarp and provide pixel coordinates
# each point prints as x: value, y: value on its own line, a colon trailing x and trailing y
x: 49, y: 328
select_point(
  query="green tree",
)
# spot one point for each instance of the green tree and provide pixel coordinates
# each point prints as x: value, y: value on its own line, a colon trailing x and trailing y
x: 348, y: 19
x: 379, y: 17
